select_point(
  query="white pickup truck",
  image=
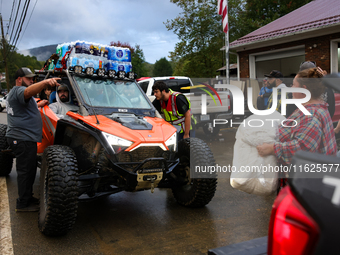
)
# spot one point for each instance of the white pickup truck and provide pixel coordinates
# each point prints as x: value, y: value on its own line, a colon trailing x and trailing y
x: 214, y: 109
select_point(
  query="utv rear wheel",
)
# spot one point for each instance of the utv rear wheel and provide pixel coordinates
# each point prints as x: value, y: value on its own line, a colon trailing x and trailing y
x: 197, y: 192
x: 58, y: 190
x: 6, y: 160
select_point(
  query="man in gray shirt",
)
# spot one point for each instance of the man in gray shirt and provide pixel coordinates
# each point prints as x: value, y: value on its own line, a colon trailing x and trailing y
x: 24, y: 131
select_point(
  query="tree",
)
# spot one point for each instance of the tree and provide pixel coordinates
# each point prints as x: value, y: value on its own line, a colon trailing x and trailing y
x: 257, y: 13
x: 15, y: 61
x: 137, y: 57
x: 200, y: 33
x: 162, y: 67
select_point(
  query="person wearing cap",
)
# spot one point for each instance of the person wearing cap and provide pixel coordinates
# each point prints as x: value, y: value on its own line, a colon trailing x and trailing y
x: 275, y: 80
x: 63, y: 102
x: 313, y: 133
x: 24, y: 130
x: 328, y: 96
x: 265, y: 92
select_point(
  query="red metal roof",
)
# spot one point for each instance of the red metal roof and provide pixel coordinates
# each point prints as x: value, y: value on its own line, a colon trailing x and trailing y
x: 316, y: 14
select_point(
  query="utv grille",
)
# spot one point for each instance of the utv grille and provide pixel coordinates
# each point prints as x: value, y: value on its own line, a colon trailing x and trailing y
x: 138, y: 155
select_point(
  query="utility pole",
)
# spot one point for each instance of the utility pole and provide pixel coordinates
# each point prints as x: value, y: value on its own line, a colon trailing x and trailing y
x: 4, y: 53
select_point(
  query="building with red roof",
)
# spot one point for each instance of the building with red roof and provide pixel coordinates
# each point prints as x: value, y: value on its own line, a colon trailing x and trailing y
x: 311, y: 32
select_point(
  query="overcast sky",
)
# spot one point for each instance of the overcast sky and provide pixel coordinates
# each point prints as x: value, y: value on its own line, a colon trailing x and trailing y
x: 101, y: 21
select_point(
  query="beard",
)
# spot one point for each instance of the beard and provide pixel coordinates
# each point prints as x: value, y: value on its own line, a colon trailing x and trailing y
x: 64, y: 99
x: 24, y: 84
x: 272, y: 85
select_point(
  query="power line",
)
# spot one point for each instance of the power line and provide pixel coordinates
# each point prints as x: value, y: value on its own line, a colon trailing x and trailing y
x: 10, y: 17
x: 19, y: 27
x: 28, y: 21
x: 15, y: 19
x: 22, y: 20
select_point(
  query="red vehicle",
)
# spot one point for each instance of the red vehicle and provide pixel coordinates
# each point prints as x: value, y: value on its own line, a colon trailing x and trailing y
x: 113, y: 142
x: 305, y: 218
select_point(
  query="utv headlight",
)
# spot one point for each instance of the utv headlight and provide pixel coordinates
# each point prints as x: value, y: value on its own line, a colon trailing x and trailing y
x: 171, y: 143
x: 121, y: 74
x: 101, y: 72
x: 89, y: 70
x: 118, y: 144
x: 78, y: 69
x: 130, y: 75
x: 112, y: 73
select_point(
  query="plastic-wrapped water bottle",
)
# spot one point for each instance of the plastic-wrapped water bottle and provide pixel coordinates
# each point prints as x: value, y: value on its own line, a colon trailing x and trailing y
x: 111, y: 53
x: 119, y: 54
x: 128, y: 67
x: 101, y: 64
x: 127, y: 55
x: 111, y: 65
x: 86, y: 48
x: 87, y: 62
x: 121, y: 66
x: 104, y: 52
x: 79, y: 47
x: 51, y: 66
x: 58, y: 50
x: 124, y: 66
x: 65, y: 47
x: 73, y: 61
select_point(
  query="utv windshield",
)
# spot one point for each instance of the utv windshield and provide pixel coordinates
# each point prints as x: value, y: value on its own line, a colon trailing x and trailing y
x: 111, y: 93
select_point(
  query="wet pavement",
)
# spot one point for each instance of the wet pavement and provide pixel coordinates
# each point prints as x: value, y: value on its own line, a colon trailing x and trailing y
x: 146, y: 223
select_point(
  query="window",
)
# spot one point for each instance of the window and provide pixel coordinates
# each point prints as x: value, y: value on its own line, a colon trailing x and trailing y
x: 144, y: 85
x: 177, y: 84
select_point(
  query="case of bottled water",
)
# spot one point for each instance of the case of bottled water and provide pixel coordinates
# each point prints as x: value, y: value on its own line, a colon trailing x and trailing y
x: 87, y: 54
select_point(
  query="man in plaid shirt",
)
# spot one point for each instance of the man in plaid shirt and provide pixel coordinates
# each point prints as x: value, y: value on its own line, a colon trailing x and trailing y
x: 275, y: 80
x: 313, y: 132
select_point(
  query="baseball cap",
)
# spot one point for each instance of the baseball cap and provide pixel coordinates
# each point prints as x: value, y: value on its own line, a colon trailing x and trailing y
x: 274, y: 74
x: 306, y: 65
x: 24, y: 72
x: 63, y: 87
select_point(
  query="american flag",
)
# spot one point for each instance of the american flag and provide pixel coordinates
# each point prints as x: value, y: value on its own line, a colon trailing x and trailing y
x: 222, y: 9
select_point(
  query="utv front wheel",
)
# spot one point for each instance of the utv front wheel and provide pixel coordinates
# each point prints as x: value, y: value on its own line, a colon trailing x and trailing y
x: 197, y: 192
x: 58, y: 190
x: 6, y: 160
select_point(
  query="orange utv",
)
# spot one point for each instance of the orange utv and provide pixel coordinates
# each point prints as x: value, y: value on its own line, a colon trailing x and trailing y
x: 112, y: 140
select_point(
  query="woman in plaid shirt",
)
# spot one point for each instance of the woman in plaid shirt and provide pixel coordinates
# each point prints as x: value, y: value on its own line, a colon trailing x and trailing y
x: 313, y: 132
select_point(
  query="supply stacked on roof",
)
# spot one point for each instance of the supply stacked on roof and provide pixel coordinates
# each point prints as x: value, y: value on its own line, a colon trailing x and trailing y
x: 92, y: 55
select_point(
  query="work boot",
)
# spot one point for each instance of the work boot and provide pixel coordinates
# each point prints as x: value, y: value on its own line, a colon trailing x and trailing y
x: 29, y: 208
x: 34, y: 201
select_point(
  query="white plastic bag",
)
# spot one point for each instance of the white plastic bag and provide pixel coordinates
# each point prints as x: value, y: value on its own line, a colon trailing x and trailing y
x: 255, y: 174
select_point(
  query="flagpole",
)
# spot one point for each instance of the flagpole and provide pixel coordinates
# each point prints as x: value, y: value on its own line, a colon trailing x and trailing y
x: 227, y: 55
x: 222, y: 9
